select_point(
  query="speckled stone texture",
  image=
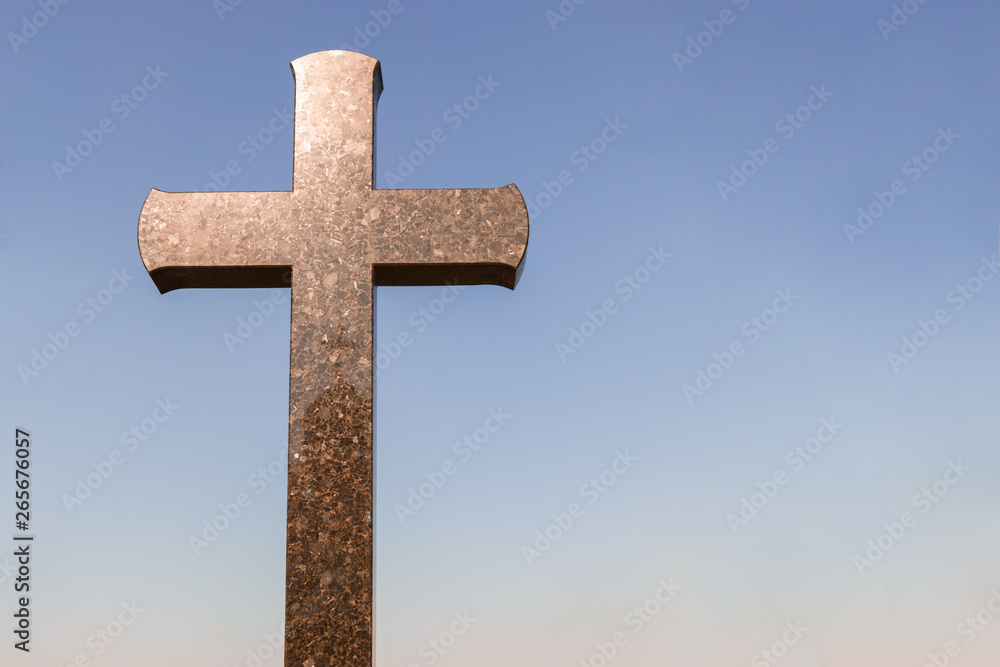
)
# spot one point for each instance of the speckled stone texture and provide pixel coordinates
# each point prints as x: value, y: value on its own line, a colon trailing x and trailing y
x: 333, y: 238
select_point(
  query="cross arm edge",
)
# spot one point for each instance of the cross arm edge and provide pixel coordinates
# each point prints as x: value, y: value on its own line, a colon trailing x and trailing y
x: 170, y: 278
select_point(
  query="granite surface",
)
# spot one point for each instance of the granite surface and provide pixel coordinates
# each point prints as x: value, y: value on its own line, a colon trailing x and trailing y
x: 332, y: 238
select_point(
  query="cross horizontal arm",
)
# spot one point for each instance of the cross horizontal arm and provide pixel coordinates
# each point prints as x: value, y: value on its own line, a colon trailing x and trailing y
x: 427, y: 237
x: 216, y: 239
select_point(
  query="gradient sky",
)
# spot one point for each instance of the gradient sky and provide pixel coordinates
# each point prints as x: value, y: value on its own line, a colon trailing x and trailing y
x: 885, y: 103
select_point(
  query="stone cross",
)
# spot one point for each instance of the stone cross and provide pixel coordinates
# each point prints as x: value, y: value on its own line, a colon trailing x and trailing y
x: 333, y: 238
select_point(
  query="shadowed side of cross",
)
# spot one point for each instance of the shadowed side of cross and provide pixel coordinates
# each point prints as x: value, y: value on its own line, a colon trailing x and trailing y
x: 336, y: 238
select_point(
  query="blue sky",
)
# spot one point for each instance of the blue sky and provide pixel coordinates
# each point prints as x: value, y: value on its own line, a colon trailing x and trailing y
x: 739, y: 138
